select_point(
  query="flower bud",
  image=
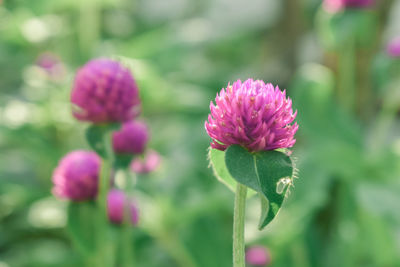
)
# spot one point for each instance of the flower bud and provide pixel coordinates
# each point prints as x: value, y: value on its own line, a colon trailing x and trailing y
x: 258, y: 256
x: 132, y: 138
x: 336, y: 5
x: 148, y: 164
x: 76, y: 176
x: 104, y: 91
x: 118, y: 206
x: 393, y: 48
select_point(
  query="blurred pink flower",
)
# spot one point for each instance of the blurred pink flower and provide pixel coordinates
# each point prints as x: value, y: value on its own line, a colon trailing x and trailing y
x: 118, y: 205
x: 336, y: 5
x: 148, y: 164
x: 393, y: 48
x: 76, y: 176
x: 252, y: 114
x: 104, y: 91
x: 132, y: 138
x: 52, y: 65
x: 258, y: 256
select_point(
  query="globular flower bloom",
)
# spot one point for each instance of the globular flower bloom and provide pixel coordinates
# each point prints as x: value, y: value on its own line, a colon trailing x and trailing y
x: 258, y: 256
x: 393, y: 48
x: 76, y: 176
x: 143, y: 166
x: 252, y: 114
x: 336, y: 5
x: 132, y: 138
x: 104, y: 91
x: 119, y: 205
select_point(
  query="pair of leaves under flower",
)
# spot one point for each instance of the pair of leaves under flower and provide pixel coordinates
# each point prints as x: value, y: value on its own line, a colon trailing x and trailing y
x: 95, y: 136
x: 267, y: 172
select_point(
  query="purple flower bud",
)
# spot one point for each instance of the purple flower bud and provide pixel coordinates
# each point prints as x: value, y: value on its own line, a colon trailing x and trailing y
x: 104, y: 91
x: 148, y: 164
x: 393, y: 48
x: 258, y: 256
x: 336, y: 5
x: 118, y: 205
x: 252, y: 114
x: 76, y: 176
x: 131, y: 138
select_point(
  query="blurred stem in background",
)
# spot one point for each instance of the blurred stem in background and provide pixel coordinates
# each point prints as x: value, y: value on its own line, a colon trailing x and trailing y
x: 127, y: 237
x: 238, y: 225
x: 88, y: 27
x: 347, y: 74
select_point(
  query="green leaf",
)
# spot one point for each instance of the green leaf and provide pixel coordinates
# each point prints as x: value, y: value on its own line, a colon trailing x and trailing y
x: 263, y: 172
x: 95, y: 135
x: 273, y: 167
x: 81, y: 219
x: 122, y: 161
x: 217, y: 162
x: 240, y: 164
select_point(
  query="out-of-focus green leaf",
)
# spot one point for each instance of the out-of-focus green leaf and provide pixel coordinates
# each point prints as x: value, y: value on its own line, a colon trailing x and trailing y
x: 81, y: 221
x: 95, y: 135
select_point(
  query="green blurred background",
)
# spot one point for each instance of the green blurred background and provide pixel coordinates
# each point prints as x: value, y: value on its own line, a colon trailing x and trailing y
x: 345, y: 207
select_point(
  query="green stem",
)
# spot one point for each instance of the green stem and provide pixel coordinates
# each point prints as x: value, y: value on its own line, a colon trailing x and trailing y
x: 347, y: 72
x: 127, y: 238
x: 105, y: 253
x: 238, y: 225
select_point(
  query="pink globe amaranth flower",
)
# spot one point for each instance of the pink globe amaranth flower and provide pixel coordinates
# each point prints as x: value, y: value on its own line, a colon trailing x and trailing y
x: 337, y: 5
x: 252, y: 114
x: 104, y: 91
x: 151, y: 161
x: 393, y: 48
x: 258, y: 256
x: 76, y: 176
x: 132, y: 138
x: 118, y: 205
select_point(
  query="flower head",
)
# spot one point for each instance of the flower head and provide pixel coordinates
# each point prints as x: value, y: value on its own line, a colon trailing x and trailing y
x: 393, y: 48
x: 252, y: 114
x: 336, y: 5
x: 132, y: 138
x: 76, y: 176
x: 104, y: 91
x: 258, y: 256
x: 118, y: 205
x: 148, y: 164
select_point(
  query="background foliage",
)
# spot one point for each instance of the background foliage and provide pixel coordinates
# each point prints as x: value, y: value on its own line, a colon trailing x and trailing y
x: 344, y: 209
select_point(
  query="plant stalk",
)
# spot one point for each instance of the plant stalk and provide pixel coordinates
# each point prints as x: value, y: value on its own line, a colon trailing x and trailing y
x: 238, y: 226
x: 105, y: 252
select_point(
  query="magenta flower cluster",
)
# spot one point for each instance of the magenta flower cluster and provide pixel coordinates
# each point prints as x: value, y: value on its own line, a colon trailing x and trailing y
x: 76, y: 176
x: 253, y: 114
x: 336, y: 5
x: 105, y: 91
x: 119, y: 206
